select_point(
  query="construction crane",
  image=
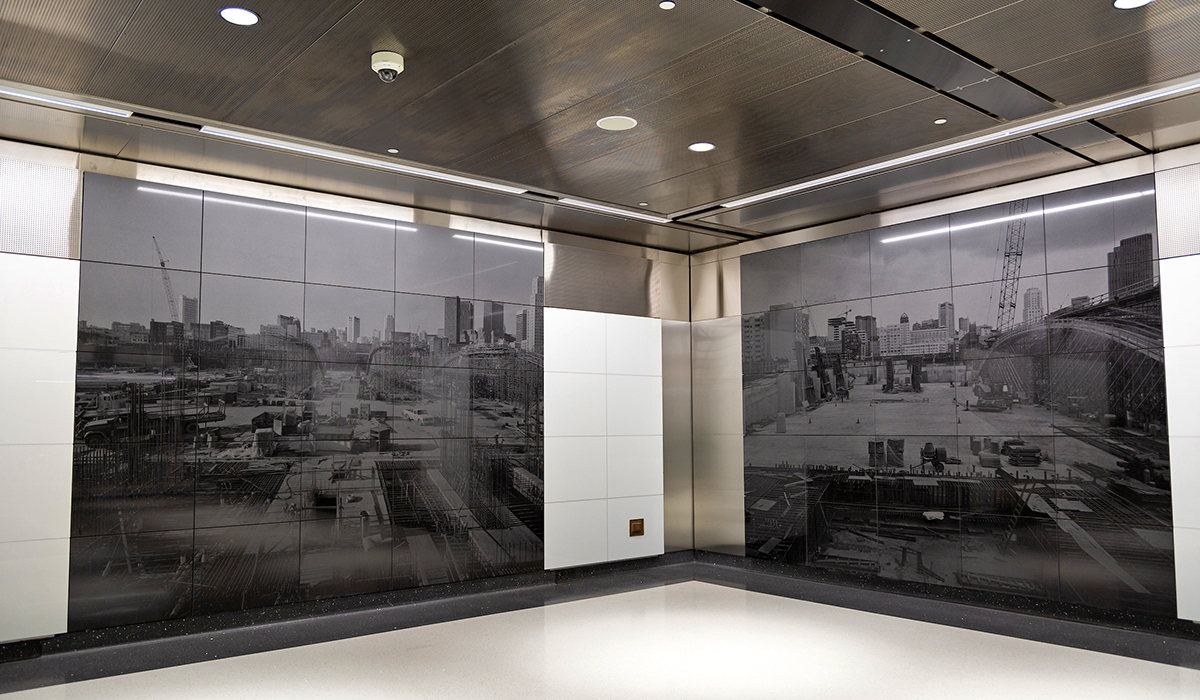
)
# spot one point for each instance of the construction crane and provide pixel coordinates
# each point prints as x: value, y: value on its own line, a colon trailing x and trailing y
x: 162, y: 263
x: 1014, y: 246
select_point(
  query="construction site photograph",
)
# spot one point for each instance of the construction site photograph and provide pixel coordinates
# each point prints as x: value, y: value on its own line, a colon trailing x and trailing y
x: 989, y: 415
x: 246, y: 441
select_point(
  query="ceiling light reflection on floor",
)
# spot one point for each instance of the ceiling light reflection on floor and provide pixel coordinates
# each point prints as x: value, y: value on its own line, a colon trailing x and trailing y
x: 666, y: 5
x: 701, y: 147
x: 1131, y: 4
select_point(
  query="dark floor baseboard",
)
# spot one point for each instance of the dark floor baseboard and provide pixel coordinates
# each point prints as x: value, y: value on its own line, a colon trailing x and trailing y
x: 79, y: 656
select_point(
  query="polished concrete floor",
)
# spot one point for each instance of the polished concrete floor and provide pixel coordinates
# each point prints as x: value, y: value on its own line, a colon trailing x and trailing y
x: 683, y: 640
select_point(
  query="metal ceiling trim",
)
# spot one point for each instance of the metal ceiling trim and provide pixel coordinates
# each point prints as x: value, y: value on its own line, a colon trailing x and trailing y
x: 1008, y: 132
x: 318, y: 151
x: 1098, y: 174
x: 42, y: 97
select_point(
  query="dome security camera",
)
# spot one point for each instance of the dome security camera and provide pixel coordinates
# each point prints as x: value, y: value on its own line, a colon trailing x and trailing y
x: 388, y: 64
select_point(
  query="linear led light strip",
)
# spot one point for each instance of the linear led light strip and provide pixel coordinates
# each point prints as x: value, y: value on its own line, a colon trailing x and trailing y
x: 267, y: 207
x: 57, y: 102
x: 506, y: 244
x: 358, y: 160
x: 1014, y: 217
x: 1041, y: 125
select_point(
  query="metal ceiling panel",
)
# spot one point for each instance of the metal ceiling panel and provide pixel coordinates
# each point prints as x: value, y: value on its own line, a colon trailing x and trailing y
x: 181, y: 56
x: 587, y: 51
x: 936, y: 15
x: 1160, y: 126
x: 756, y: 167
x: 957, y: 174
x: 675, y: 103
x: 853, y: 24
x: 59, y: 45
x: 1069, y: 50
x: 848, y: 95
x: 328, y: 92
x: 1132, y: 62
x: 1093, y: 142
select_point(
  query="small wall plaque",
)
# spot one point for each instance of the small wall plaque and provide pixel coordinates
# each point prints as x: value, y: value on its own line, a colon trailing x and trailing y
x: 637, y: 528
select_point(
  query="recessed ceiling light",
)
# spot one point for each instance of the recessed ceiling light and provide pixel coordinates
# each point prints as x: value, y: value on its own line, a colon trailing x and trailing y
x: 393, y: 150
x: 701, y: 147
x: 616, y: 123
x: 239, y: 15
x: 666, y: 5
x: 1130, y: 4
x: 941, y: 121
x: 643, y: 204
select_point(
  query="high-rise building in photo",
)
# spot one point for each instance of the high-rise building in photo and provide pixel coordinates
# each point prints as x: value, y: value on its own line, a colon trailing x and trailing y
x: 538, y: 300
x: 191, y: 311
x: 389, y: 328
x: 493, y: 322
x: 946, y: 315
x: 1131, y: 265
x: 1034, y: 309
x: 353, y: 328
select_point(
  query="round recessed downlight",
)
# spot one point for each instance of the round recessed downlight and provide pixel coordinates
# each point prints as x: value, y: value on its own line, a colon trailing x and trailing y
x: 666, y: 5
x: 643, y: 204
x: 239, y: 15
x: 701, y: 147
x: 941, y: 121
x: 1131, y: 4
x: 393, y: 150
x: 616, y: 123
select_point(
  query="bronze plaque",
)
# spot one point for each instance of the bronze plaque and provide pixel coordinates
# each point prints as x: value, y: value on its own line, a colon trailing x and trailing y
x: 637, y: 528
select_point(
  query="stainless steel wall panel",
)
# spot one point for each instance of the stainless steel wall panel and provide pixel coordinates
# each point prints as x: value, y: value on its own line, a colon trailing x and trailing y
x: 716, y: 289
x: 674, y: 302
x: 717, y: 447
x: 677, y: 435
x: 591, y: 280
x: 1178, y: 200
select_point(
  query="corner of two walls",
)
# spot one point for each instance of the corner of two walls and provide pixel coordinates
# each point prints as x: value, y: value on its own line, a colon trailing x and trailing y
x: 617, y: 426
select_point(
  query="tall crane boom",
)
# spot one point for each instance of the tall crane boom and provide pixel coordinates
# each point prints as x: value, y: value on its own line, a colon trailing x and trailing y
x: 1014, y: 246
x: 162, y: 263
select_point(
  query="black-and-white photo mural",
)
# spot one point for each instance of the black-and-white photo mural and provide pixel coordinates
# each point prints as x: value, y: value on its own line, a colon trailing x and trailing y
x: 279, y: 404
x: 974, y: 401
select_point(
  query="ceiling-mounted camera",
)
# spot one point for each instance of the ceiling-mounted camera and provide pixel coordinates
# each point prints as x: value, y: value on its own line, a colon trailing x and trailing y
x: 388, y: 64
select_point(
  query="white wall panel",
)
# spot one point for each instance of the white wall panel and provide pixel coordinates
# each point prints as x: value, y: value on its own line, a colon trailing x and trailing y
x: 576, y: 468
x: 41, y: 302
x: 620, y: 512
x: 1183, y: 386
x: 634, y: 405
x: 576, y: 533
x: 35, y: 503
x: 1187, y: 572
x: 634, y: 345
x: 38, y: 390
x: 33, y: 588
x: 574, y: 341
x: 603, y: 435
x: 635, y: 466
x: 574, y: 404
